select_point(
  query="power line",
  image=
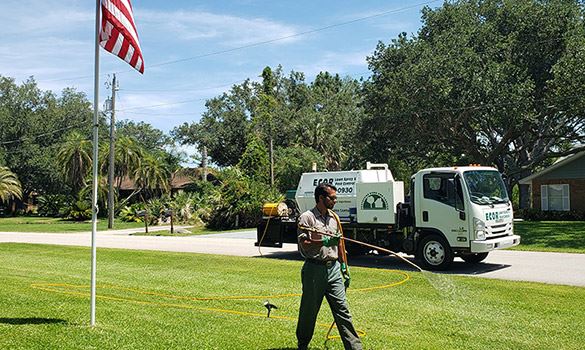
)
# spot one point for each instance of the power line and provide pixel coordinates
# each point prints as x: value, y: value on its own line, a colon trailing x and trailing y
x: 34, y: 137
x: 259, y: 43
x: 193, y: 100
x: 186, y: 89
x: 456, y: 109
x: 295, y: 35
x: 162, y: 104
x: 157, y: 114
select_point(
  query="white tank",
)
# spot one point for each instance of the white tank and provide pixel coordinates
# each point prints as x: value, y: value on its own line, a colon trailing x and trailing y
x: 364, y: 196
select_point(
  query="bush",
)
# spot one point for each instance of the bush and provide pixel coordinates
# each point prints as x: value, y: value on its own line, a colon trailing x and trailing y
x: 238, y: 201
x: 131, y: 213
x: 532, y: 214
x: 52, y: 204
x: 156, y: 208
x: 78, y: 209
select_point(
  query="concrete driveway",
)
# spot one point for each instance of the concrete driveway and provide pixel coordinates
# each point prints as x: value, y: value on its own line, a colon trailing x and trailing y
x: 554, y: 268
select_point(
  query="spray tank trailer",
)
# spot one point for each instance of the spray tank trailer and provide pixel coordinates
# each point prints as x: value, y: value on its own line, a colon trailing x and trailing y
x: 450, y: 212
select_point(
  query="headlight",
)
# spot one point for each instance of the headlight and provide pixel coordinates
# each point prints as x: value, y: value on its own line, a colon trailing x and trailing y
x: 479, y: 228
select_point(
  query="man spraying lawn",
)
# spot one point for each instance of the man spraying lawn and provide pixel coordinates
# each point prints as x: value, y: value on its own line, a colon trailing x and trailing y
x: 322, y: 272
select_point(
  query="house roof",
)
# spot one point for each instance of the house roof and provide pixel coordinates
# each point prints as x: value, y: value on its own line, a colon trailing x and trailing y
x: 559, y: 163
x: 180, y: 179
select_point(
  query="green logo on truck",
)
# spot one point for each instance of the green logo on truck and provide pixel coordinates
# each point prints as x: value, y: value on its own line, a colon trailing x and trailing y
x: 374, y: 201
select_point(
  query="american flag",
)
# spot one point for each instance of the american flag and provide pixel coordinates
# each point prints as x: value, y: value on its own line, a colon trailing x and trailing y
x: 118, y: 32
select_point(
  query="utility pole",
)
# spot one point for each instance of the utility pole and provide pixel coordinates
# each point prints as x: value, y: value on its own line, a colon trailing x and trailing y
x: 112, y: 109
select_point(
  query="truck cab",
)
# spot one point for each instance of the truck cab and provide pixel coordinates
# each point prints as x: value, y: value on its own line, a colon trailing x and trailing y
x: 460, y: 211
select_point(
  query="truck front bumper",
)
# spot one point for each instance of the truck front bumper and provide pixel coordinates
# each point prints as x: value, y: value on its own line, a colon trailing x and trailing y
x: 496, y: 243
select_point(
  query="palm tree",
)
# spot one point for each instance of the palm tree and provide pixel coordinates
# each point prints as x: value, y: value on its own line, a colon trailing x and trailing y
x: 153, y: 174
x: 75, y: 160
x: 10, y: 187
x: 127, y: 157
x: 128, y: 154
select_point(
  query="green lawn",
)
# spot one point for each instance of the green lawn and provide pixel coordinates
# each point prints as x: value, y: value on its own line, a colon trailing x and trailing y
x: 551, y: 236
x: 147, y: 300
x: 55, y: 225
x: 192, y: 231
x: 42, y: 224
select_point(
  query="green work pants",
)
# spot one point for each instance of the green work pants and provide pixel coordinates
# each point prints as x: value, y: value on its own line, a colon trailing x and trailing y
x: 321, y: 281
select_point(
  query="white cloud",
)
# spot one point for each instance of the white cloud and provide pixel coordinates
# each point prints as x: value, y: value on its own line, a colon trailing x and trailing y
x: 223, y: 29
x: 336, y: 62
x: 42, y: 17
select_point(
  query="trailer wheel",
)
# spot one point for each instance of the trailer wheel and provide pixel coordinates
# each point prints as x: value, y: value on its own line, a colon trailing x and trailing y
x: 474, y: 258
x: 434, y: 253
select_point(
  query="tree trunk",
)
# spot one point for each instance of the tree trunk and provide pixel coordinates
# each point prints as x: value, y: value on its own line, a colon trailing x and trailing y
x: 204, y: 164
x: 524, y: 196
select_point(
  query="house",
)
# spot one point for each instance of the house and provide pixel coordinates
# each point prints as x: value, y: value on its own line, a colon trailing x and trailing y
x: 561, y: 186
x: 179, y: 181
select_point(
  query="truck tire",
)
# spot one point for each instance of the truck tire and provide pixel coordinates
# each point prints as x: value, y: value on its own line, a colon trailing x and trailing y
x: 474, y: 258
x: 434, y: 253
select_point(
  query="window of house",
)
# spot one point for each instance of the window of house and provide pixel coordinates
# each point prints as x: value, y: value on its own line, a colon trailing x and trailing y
x: 555, y: 197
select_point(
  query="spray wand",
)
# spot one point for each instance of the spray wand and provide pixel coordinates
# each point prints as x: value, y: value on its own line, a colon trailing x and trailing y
x: 344, y: 255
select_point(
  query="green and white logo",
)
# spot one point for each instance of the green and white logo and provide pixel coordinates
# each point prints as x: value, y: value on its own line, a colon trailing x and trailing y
x: 374, y: 201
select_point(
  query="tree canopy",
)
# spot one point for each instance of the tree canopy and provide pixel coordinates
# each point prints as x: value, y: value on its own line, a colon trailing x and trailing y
x: 33, y: 125
x: 484, y: 81
x: 320, y: 115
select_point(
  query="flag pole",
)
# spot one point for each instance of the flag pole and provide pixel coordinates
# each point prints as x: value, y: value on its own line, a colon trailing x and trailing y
x: 94, y: 208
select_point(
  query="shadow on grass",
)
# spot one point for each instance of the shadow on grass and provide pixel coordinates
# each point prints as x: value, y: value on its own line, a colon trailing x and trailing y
x: 282, y: 349
x: 30, y: 320
x: 389, y: 262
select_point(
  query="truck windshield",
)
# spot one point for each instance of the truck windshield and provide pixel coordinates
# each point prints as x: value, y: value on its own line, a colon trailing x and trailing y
x: 485, y: 187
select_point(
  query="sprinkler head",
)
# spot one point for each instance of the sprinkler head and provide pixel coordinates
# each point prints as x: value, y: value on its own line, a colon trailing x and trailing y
x: 269, y: 307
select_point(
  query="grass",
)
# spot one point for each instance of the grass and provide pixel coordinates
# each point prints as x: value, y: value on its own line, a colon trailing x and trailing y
x: 56, y: 225
x: 546, y: 236
x: 474, y: 313
x: 193, y: 231
x: 551, y: 236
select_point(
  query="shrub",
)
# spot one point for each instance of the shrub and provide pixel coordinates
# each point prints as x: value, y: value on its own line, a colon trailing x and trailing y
x: 532, y: 214
x: 77, y: 210
x: 156, y: 208
x: 51, y: 204
x: 131, y: 213
x: 238, y: 201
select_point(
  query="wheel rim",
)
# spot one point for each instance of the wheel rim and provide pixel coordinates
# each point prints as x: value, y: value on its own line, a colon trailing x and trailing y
x: 434, y: 252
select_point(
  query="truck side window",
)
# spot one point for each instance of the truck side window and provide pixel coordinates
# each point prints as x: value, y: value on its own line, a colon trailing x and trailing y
x: 438, y: 187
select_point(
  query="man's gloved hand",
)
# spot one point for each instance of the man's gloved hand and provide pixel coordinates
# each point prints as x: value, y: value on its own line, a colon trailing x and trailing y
x: 331, y: 241
x: 345, y: 274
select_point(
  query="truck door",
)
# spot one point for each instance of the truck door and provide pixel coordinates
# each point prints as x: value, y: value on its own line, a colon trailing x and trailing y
x: 441, y: 207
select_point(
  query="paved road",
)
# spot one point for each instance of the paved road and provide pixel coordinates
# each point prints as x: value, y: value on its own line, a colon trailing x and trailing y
x: 555, y: 268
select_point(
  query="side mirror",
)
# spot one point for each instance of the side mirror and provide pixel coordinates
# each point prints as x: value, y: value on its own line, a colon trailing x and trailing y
x: 462, y: 215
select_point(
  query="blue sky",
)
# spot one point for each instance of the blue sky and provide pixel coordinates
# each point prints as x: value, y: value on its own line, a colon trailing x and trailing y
x: 53, y: 41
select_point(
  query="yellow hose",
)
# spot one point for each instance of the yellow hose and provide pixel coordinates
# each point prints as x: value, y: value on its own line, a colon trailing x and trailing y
x: 72, y: 289
x: 77, y: 290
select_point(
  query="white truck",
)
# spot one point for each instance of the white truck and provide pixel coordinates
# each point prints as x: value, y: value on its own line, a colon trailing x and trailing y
x: 459, y: 211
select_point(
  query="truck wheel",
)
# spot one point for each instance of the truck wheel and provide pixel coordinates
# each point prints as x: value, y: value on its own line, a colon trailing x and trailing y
x: 434, y: 253
x: 474, y: 258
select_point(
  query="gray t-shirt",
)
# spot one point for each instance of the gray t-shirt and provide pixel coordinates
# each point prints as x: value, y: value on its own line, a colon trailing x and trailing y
x: 315, y: 249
